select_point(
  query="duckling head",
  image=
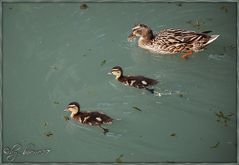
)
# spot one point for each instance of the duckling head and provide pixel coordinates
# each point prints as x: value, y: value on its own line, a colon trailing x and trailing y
x: 74, y: 108
x: 141, y: 30
x: 117, y: 71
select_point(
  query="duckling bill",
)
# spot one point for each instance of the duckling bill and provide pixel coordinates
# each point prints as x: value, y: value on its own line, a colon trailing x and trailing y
x: 171, y: 41
x: 140, y: 82
x: 89, y: 118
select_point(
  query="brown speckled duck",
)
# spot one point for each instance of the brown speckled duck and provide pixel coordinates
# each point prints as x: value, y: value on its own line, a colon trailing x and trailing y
x: 171, y: 41
x: 89, y: 118
x: 140, y: 82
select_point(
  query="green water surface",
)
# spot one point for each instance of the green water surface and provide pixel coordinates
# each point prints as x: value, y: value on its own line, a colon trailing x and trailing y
x: 55, y: 53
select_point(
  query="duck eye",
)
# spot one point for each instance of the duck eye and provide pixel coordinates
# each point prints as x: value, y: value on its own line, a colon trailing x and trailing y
x: 138, y: 31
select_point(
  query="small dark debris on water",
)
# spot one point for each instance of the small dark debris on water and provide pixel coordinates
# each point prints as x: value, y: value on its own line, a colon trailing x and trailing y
x: 45, y: 124
x: 223, y: 118
x: 224, y: 8
x: 173, y: 134
x: 180, y: 95
x: 215, y: 146
x: 54, y: 67
x: 10, y: 8
x: 102, y: 62
x: 56, y: 102
x: 48, y: 134
x: 136, y: 108
x: 119, y: 159
x: 179, y: 4
x: 66, y: 118
x: 84, y: 6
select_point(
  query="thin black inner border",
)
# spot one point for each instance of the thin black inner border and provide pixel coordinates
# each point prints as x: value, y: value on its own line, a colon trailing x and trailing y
x: 112, y: 1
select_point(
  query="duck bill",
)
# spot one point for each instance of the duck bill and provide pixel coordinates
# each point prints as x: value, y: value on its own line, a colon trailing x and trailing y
x: 65, y: 110
x: 109, y: 73
x: 131, y: 37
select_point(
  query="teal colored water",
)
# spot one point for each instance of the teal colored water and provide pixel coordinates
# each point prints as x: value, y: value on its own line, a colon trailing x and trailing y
x: 55, y: 53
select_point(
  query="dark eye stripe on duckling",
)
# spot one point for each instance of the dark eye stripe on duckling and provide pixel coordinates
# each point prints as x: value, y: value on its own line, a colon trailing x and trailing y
x: 72, y: 106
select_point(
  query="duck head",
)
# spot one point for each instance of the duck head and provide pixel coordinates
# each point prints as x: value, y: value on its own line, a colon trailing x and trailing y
x: 74, y: 108
x: 117, y: 71
x: 141, y: 30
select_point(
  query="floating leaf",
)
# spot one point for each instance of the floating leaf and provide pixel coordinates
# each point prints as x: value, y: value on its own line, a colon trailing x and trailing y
x: 48, y: 134
x: 103, y: 63
x: 224, y: 8
x: 224, y: 118
x: 119, y: 159
x: 215, y: 146
x: 136, y: 108
x: 173, y: 134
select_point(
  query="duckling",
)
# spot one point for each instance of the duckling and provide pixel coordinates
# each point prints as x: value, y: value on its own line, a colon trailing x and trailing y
x: 140, y: 82
x: 89, y: 118
x: 171, y: 41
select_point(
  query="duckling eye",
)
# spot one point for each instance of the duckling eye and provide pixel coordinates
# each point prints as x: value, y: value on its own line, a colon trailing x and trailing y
x: 72, y: 106
x: 115, y: 71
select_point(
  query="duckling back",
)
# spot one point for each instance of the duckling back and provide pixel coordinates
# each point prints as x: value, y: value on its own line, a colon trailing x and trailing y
x: 93, y: 118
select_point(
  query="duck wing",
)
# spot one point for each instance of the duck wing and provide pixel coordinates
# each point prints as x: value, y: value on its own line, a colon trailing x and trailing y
x: 95, y: 118
x: 140, y: 81
x: 174, y: 36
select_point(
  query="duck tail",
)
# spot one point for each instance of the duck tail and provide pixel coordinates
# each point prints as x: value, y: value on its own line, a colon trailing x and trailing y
x: 206, y: 32
x: 213, y: 38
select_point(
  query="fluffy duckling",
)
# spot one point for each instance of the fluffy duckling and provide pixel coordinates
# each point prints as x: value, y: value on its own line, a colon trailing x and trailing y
x: 89, y: 118
x: 171, y: 41
x: 140, y: 82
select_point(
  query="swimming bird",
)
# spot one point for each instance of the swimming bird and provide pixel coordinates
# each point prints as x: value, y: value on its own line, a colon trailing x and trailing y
x: 171, y: 41
x: 90, y: 118
x: 140, y: 82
